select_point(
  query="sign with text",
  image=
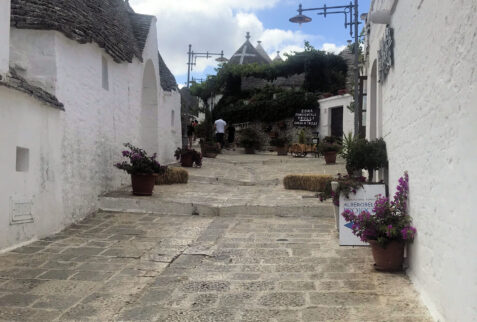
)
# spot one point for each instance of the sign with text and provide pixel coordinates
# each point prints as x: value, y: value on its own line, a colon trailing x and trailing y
x: 363, y: 200
x: 307, y: 117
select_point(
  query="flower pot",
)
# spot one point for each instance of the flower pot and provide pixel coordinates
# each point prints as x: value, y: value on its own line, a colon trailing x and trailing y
x: 389, y: 257
x: 330, y: 157
x: 143, y: 184
x: 249, y: 151
x: 187, y: 160
x: 282, y: 150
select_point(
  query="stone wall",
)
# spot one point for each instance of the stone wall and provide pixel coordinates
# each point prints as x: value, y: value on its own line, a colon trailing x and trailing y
x: 251, y: 83
x: 425, y: 110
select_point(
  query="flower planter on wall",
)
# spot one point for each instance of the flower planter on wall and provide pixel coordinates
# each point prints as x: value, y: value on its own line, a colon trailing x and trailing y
x: 187, y: 160
x: 143, y: 184
x: 330, y: 157
x: 282, y: 150
x: 389, y: 257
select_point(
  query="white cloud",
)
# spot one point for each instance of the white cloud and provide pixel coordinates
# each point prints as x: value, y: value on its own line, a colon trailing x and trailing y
x: 332, y: 48
x: 216, y: 25
x: 213, y: 25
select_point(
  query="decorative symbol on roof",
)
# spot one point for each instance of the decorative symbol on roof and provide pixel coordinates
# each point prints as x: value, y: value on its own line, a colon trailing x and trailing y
x: 385, y: 54
x: 248, y: 35
x: 243, y: 54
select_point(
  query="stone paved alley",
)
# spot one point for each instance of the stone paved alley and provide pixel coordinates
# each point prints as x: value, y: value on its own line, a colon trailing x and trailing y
x: 249, y: 266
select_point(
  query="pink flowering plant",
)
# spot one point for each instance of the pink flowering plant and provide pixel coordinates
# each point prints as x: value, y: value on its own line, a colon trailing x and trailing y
x: 390, y: 222
x: 139, y: 162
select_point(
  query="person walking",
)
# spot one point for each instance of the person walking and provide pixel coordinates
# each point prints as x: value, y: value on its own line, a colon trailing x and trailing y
x: 219, y: 126
x: 231, y: 136
x: 190, y: 133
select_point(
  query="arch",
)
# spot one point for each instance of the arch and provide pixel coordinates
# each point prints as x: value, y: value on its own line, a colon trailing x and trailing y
x: 373, y: 101
x: 149, y: 132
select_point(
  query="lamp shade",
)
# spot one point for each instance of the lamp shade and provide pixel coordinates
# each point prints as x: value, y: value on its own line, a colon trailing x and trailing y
x: 221, y: 59
x: 300, y: 18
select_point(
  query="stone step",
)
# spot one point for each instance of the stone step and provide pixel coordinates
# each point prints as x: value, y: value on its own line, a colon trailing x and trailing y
x: 124, y: 201
x: 227, y: 181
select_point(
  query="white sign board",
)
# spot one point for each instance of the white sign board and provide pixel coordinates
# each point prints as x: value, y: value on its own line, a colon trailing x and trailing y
x: 363, y: 199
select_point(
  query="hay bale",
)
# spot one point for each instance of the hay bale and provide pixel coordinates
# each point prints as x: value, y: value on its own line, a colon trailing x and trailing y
x: 172, y: 176
x: 309, y: 182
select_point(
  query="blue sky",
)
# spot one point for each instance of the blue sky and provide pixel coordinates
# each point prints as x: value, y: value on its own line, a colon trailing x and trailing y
x: 214, y: 25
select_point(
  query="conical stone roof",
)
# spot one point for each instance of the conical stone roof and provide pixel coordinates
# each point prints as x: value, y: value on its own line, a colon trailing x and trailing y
x: 247, y: 54
x: 262, y: 51
x: 278, y: 58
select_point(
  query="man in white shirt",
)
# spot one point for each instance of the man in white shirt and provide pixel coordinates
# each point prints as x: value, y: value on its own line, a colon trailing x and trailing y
x: 219, y: 126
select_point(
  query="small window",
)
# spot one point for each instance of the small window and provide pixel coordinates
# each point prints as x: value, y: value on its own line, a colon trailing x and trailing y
x: 23, y: 159
x: 105, y: 73
x: 172, y: 117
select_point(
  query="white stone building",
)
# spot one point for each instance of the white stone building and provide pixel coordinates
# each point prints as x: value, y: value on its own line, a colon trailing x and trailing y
x: 336, y: 119
x: 77, y: 81
x: 423, y: 104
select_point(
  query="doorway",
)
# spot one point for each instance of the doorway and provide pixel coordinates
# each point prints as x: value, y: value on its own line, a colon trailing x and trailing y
x: 337, y: 121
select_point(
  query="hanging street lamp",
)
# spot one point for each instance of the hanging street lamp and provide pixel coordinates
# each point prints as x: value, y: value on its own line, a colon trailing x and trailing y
x: 192, y: 60
x: 351, y: 20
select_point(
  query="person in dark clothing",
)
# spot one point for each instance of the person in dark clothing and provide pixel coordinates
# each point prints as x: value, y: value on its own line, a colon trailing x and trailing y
x: 190, y: 133
x: 231, y: 136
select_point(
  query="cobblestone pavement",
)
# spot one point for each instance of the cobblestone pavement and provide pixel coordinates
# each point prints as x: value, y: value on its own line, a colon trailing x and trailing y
x: 149, y: 267
x: 118, y: 266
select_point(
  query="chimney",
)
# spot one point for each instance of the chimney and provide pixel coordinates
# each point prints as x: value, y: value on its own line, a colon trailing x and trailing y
x: 4, y: 36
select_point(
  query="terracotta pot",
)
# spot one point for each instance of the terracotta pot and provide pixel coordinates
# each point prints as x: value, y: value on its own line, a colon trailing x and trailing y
x: 143, y: 184
x: 282, y: 150
x: 187, y: 160
x: 249, y: 151
x: 389, y: 257
x: 330, y: 157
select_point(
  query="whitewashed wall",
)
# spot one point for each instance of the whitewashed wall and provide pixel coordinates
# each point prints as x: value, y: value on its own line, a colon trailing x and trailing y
x: 427, y: 114
x: 27, y: 123
x: 170, y: 129
x: 4, y: 35
x: 72, y: 153
x: 326, y: 105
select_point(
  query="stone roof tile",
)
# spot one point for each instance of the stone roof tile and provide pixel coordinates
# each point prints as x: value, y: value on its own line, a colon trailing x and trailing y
x: 109, y: 23
x: 15, y: 81
x: 168, y: 81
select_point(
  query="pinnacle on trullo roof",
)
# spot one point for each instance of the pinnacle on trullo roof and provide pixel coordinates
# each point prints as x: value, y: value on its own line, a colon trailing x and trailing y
x: 247, y: 54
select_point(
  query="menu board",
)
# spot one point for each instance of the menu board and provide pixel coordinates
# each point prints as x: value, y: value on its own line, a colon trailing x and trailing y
x: 307, y: 117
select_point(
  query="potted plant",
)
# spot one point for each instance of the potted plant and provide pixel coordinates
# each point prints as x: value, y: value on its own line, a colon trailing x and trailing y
x: 363, y: 154
x: 329, y: 148
x: 250, y: 140
x: 142, y: 168
x: 208, y: 149
x: 388, y: 229
x: 188, y: 157
x: 281, y: 144
x: 353, y: 153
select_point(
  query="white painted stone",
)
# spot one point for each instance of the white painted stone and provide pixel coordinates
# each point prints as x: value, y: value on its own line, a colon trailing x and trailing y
x: 71, y: 153
x: 4, y: 35
x: 326, y: 105
x: 425, y: 110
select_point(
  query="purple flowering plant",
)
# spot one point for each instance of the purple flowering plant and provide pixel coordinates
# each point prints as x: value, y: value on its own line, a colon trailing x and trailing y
x: 139, y: 162
x: 346, y: 185
x: 390, y: 221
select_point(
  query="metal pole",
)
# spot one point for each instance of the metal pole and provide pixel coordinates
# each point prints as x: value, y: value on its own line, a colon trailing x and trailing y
x: 357, y: 105
x: 188, y: 65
